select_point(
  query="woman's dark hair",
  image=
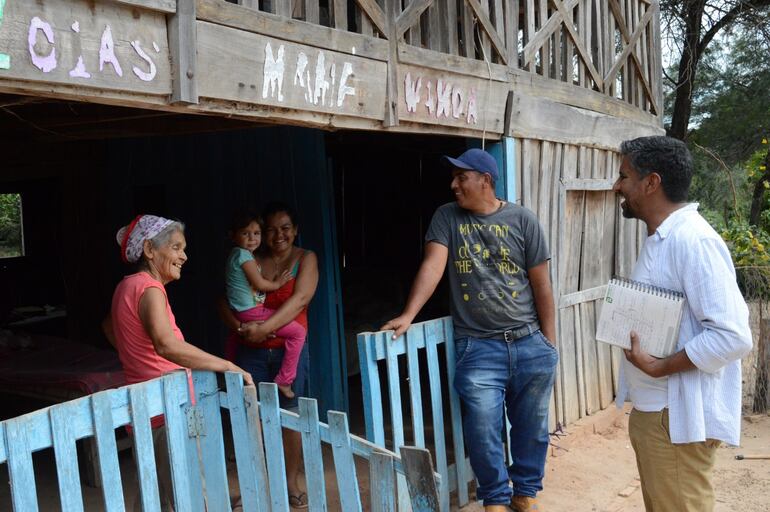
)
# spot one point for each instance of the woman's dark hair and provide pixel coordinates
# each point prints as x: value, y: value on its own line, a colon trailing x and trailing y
x: 242, y: 218
x: 279, y: 207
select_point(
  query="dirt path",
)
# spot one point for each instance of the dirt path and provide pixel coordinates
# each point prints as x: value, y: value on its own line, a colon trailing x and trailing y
x: 592, y: 468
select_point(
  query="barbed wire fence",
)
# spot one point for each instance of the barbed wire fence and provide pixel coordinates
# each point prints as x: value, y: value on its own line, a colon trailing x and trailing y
x: 754, y: 282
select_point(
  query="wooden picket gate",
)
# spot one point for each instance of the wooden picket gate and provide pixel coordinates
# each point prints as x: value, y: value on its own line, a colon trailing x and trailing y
x: 196, y: 449
x: 427, y: 337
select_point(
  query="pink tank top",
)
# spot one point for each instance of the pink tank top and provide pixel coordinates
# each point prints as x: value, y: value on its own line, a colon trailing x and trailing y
x: 137, y: 353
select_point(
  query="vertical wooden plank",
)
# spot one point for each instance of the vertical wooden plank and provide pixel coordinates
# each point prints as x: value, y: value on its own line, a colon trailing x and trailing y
x: 65, y: 451
x: 529, y: 28
x: 450, y: 24
x: 372, y: 394
x: 339, y: 12
x: 391, y: 110
x: 20, y: 470
x: 312, y: 12
x: 511, y: 8
x: 182, y: 43
x: 251, y: 481
x: 570, y: 239
x: 558, y: 65
x: 344, y: 465
x: 311, y: 452
x: 256, y: 444
x: 396, y: 413
x: 498, y: 20
x: 486, y: 42
x: 144, y: 451
x: 545, y: 50
x: 553, y: 246
x: 107, y: 450
x: 434, y: 36
x: 469, y: 38
x: 544, y: 206
x: 183, y: 453
x: 458, y: 443
x: 212, y: 441
x: 432, y: 335
x: 580, y: 361
x: 271, y: 429
x: 382, y: 481
x: 364, y: 24
x: 282, y: 8
x: 590, y: 369
x: 413, y: 338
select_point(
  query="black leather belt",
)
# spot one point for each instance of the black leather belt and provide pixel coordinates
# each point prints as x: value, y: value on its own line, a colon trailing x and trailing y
x: 512, y: 335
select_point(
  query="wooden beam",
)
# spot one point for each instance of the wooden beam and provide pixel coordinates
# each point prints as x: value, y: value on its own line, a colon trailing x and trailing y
x: 391, y: 108
x: 586, y: 56
x: 250, y: 4
x: 167, y: 6
x: 183, y: 46
x: 615, y: 7
x: 489, y: 29
x: 231, y: 15
x: 545, y: 32
x: 375, y: 13
x: 411, y: 15
x: 630, y: 47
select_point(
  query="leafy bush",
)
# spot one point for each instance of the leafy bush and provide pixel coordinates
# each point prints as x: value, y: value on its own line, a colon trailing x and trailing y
x: 749, y: 249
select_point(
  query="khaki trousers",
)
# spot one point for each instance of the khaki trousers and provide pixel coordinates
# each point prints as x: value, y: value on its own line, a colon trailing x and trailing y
x: 675, y: 477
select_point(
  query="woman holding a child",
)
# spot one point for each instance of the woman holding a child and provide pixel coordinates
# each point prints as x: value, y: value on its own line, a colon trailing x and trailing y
x: 261, y: 351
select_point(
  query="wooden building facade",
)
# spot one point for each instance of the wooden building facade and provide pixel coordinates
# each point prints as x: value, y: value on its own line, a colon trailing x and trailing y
x: 551, y: 87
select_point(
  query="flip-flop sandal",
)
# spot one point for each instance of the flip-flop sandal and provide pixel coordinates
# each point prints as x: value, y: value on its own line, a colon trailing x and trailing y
x: 298, y: 500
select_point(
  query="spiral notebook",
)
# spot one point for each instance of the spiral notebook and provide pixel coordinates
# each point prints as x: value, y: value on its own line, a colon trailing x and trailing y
x: 654, y: 313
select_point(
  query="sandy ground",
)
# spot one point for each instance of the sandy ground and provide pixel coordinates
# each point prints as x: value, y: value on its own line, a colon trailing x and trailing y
x: 592, y: 468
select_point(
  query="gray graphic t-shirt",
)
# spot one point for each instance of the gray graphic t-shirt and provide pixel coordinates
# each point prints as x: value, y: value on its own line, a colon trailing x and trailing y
x: 488, y: 260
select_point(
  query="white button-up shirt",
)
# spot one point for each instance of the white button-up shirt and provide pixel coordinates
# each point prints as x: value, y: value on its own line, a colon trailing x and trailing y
x: 686, y: 254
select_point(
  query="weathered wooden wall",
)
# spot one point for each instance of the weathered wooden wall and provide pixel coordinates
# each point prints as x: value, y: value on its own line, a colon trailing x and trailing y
x: 569, y: 188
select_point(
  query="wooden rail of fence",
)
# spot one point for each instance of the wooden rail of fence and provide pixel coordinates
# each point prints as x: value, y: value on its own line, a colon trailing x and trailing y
x: 195, y: 437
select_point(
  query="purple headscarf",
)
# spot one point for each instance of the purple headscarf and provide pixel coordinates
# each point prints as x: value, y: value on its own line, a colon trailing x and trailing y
x: 131, y: 238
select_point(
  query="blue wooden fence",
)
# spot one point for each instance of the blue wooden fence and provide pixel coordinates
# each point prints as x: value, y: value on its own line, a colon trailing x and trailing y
x: 195, y: 437
x: 427, y: 337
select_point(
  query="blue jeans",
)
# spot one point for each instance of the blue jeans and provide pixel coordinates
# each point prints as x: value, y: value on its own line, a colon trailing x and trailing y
x: 519, y: 374
x: 264, y: 363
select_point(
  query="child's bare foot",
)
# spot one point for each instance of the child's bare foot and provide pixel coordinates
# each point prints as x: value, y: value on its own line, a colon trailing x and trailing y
x: 286, y: 390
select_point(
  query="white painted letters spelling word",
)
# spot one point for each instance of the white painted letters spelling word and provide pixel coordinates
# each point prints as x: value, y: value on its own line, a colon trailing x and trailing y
x: 443, y: 100
x: 42, y: 48
x: 320, y: 87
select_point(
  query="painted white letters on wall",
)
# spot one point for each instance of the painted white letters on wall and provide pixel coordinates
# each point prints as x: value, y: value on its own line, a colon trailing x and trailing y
x: 273, y: 72
x: 107, y: 52
x: 143, y: 75
x: 45, y: 63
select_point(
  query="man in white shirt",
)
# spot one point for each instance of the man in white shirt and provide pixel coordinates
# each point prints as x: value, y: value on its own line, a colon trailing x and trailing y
x: 685, y: 404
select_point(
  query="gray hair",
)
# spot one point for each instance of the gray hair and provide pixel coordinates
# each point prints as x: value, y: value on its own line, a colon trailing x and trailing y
x: 162, y: 238
x: 666, y: 156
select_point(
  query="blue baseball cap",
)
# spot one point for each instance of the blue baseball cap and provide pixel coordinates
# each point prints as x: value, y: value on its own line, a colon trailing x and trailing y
x: 474, y: 160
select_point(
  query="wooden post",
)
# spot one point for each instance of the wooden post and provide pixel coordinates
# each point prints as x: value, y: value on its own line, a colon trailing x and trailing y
x: 761, y: 394
x: 391, y: 110
x: 182, y: 42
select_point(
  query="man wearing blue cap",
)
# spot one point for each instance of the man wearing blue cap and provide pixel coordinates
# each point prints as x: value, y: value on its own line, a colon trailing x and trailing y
x: 503, y: 314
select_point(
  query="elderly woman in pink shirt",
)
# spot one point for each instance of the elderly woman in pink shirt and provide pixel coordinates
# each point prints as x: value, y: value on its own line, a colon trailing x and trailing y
x: 142, y: 326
